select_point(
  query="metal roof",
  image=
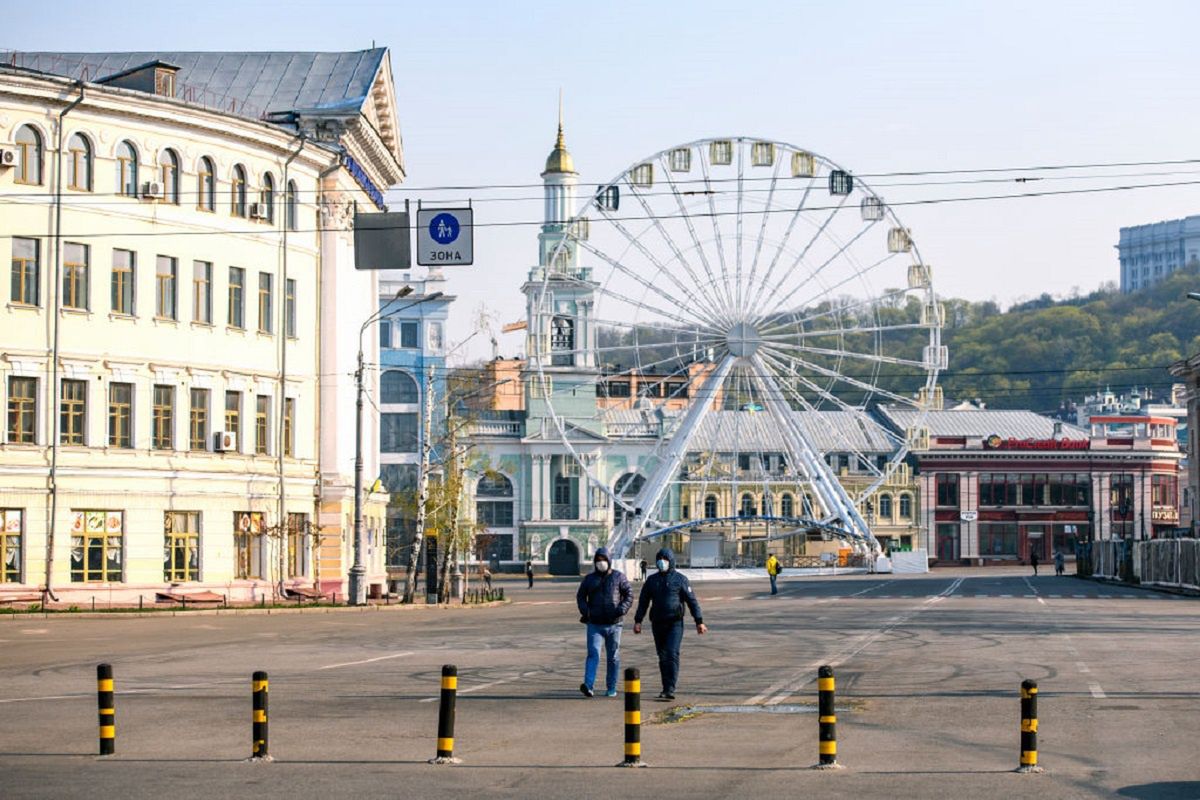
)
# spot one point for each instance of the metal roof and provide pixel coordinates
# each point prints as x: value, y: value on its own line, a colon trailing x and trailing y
x: 828, y: 431
x: 982, y: 422
x: 245, y: 84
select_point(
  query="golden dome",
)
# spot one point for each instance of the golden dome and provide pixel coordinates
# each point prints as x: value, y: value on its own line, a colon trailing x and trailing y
x: 559, y: 159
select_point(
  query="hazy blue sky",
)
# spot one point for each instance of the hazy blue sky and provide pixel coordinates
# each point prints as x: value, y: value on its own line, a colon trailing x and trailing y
x: 876, y: 86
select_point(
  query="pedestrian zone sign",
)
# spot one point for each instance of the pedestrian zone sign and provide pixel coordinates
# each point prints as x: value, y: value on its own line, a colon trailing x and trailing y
x: 445, y: 237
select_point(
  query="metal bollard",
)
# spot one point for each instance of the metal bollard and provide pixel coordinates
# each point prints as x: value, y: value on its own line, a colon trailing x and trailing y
x: 826, y: 720
x: 633, y: 719
x: 108, y: 710
x: 1029, y: 727
x: 501, y: 593
x: 258, y: 727
x: 445, y: 734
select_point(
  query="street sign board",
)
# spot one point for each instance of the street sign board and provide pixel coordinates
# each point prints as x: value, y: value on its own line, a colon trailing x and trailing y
x: 445, y: 237
x: 382, y: 241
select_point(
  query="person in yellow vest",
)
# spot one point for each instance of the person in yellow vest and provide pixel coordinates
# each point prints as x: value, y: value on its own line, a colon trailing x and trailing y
x: 773, y: 570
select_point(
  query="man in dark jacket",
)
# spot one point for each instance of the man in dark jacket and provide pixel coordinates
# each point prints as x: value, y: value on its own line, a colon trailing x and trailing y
x: 604, y: 597
x: 666, y: 593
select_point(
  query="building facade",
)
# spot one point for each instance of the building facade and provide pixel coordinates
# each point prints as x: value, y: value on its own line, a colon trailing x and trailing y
x: 162, y: 360
x: 1148, y: 253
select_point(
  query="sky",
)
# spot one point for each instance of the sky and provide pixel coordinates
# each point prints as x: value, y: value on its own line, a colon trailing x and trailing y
x: 874, y: 86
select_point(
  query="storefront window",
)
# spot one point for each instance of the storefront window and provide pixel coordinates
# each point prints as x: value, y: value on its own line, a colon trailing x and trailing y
x: 998, y: 540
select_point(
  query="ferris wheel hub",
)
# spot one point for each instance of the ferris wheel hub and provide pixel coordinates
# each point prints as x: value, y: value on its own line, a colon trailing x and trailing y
x: 743, y: 340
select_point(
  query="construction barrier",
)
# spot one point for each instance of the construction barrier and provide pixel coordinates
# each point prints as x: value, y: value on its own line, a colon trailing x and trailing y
x: 633, y: 719
x: 258, y: 726
x: 445, y: 733
x: 1029, y: 727
x: 826, y: 720
x: 105, y: 697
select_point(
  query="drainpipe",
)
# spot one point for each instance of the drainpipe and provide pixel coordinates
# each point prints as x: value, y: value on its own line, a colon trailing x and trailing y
x: 53, y: 478
x: 283, y: 337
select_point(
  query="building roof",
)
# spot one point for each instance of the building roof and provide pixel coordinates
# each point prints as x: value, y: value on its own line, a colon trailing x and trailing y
x: 245, y: 84
x: 828, y: 431
x: 982, y: 423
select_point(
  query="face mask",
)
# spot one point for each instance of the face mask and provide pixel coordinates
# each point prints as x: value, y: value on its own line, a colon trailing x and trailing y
x: 663, y: 565
x: 601, y: 566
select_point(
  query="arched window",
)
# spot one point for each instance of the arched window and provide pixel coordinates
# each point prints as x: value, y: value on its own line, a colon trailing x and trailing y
x: 885, y: 507
x: 787, y: 506
x: 494, y: 501
x: 292, y: 212
x: 747, y: 509
x: 238, y: 191
x: 127, y: 170
x: 906, y: 506
x: 627, y: 488
x: 79, y: 163
x: 562, y: 341
x: 398, y: 387
x: 710, y: 507
x: 206, y: 186
x: 30, y: 154
x: 266, y: 197
x: 168, y: 167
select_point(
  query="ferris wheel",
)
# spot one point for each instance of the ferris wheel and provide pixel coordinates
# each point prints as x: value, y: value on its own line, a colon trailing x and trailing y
x: 727, y: 313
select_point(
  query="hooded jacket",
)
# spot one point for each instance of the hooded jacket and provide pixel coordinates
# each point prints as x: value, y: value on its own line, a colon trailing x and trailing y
x: 603, y: 598
x: 666, y: 594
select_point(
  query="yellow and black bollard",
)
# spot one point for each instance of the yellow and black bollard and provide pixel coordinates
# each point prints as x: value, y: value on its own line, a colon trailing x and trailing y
x: 633, y: 719
x: 258, y: 726
x: 826, y: 720
x: 108, y: 710
x: 445, y: 735
x: 1029, y: 727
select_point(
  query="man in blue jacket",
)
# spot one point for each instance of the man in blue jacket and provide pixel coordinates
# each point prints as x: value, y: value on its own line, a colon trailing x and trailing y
x: 666, y: 592
x: 604, y: 597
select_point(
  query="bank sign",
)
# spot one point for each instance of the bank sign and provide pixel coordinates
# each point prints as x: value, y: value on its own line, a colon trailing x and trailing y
x: 445, y: 237
x: 994, y: 442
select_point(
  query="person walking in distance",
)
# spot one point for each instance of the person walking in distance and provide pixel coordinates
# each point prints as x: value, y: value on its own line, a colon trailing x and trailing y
x: 529, y: 572
x: 604, y: 597
x: 664, y: 595
x: 642, y: 566
x: 773, y: 572
x: 486, y: 574
x: 1060, y: 563
x: 1033, y: 561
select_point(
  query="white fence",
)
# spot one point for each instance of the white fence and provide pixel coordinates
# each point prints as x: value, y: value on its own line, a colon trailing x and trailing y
x: 1163, y: 562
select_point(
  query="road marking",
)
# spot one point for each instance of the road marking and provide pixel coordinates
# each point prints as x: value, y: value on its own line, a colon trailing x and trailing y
x: 1006, y: 595
x: 1079, y: 596
x: 483, y: 686
x: 1082, y: 667
x: 35, y: 630
x: 1096, y: 691
x: 544, y: 603
x: 365, y: 661
x: 1040, y: 600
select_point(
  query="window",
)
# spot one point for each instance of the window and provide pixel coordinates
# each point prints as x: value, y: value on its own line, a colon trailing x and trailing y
x: 75, y: 276
x: 399, y: 477
x: 562, y: 506
x: 163, y: 437
x: 494, y: 501
x: 127, y: 170
x: 398, y: 387
x: 1164, y: 490
x: 998, y: 540
x: 947, y: 490
x: 12, y: 535
x: 885, y: 507
x: 289, y: 426
x: 202, y: 292
x: 408, y: 335
x: 237, y: 297
x: 233, y: 415
x: 266, y: 198
x: 562, y: 342
x: 289, y: 308
x: 747, y: 506
x: 290, y: 202
x: 608, y: 388
x: 22, y: 410
x: 97, y: 539
x: 181, y: 546
x: 710, y: 507
x: 906, y: 506
x: 122, y: 281
x: 166, y: 288
x: 264, y: 302
x: 120, y: 415
x: 787, y: 506
x: 627, y: 487
x: 297, y: 539
x: 206, y: 186
x: 168, y: 167
x: 385, y: 334
x: 398, y: 433
x: 72, y: 412
x: 248, y: 544
x: 262, y: 424
x: 29, y: 156
x: 79, y: 163
x: 26, y: 276
x: 198, y: 420
x: 238, y: 191
x: 435, y: 336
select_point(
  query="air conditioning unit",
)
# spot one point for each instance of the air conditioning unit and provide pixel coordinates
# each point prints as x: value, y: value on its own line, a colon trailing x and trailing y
x: 224, y: 441
x: 152, y: 190
x: 8, y: 158
x: 258, y: 211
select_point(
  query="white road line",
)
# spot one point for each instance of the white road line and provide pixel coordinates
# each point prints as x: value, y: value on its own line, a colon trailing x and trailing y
x: 1082, y: 667
x: 1079, y: 596
x: 483, y: 686
x: 1040, y: 600
x: 365, y: 661
x: 1006, y: 595
x: 1096, y: 691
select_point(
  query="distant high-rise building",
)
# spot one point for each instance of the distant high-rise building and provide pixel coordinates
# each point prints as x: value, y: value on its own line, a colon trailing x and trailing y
x: 1149, y: 253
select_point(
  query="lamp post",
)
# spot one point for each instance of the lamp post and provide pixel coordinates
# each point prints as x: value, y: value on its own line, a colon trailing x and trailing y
x: 358, y: 572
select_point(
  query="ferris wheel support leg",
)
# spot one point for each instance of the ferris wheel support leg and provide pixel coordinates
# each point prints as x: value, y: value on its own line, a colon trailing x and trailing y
x: 654, y: 489
x: 833, y: 495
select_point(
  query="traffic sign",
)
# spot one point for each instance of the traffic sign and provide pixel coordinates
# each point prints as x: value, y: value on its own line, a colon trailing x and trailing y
x: 445, y: 237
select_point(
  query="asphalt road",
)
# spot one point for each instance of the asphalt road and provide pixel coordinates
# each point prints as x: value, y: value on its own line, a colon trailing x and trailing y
x: 928, y: 671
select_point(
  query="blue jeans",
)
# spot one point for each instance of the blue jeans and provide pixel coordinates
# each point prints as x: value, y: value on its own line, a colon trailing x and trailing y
x: 610, y: 637
x: 774, y: 588
x: 668, y: 637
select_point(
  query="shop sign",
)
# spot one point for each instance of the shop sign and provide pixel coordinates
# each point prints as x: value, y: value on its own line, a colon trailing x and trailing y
x: 995, y: 442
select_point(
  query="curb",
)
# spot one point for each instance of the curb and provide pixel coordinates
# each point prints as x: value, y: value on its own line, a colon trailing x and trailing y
x: 240, y: 612
x: 1146, y: 587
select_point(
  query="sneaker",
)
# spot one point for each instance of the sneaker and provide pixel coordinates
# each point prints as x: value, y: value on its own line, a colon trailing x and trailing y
x: 587, y: 690
x: 611, y: 693
x: 667, y: 695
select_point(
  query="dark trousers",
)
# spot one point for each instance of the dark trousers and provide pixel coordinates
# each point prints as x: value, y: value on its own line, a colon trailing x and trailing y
x: 530, y: 576
x: 668, y: 637
x: 774, y: 588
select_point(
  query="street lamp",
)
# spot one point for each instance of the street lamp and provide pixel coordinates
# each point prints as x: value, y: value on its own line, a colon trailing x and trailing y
x: 358, y: 572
